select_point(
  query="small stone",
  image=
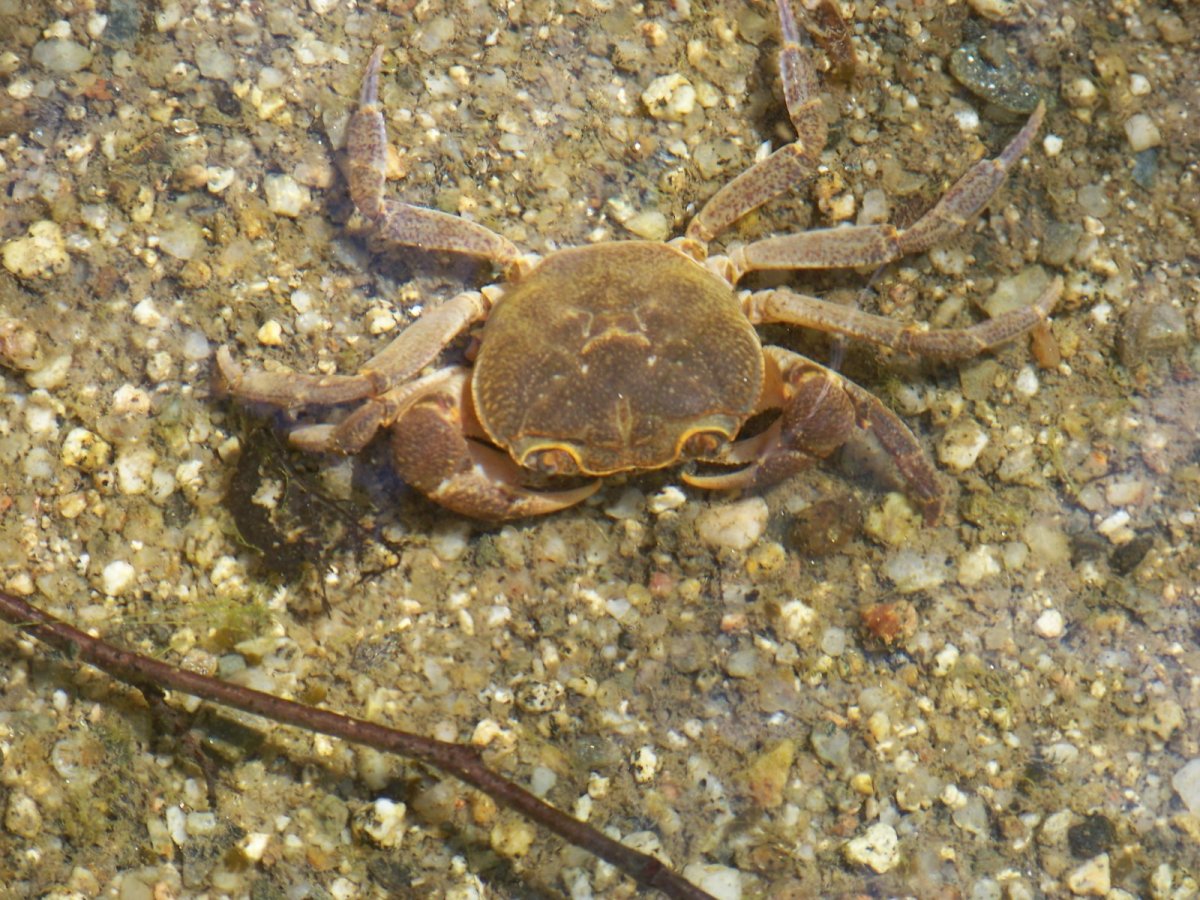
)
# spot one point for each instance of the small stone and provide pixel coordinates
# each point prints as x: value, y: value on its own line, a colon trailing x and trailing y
x: 768, y: 774
x: 877, y: 848
x: 1186, y: 782
x: 84, y: 450
x: 734, y: 526
x: 382, y: 822
x: 1164, y: 719
x: 977, y: 564
x: 61, y: 56
x: 721, y: 882
x: 650, y: 225
x: 670, y: 97
x: 41, y: 254
x: 270, y: 334
x: 645, y: 764
x: 285, y: 197
x: 911, y: 571
x: 117, y: 578
x: 1017, y: 292
x: 995, y: 10
x: 322, y: 7
x: 1092, y: 879
x: 512, y: 838
x: 795, y: 620
x: 23, y: 818
x: 134, y: 468
x: 894, y: 523
x: 831, y: 745
x: 1049, y: 624
x: 961, y: 445
x: 183, y: 240
x: 1142, y: 133
x: 215, y: 62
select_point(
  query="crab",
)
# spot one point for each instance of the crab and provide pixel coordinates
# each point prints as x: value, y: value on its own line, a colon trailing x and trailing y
x: 634, y: 355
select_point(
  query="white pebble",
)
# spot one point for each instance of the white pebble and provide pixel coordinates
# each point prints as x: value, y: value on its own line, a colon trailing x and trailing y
x: 285, y: 197
x: 134, y: 469
x: 670, y: 97
x: 1092, y: 879
x: 796, y: 619
x: 61, y: 56
x: 1052, y: 144
x: 1186, y: 782
x: 384, y: 822
x: 183, y: 240
x: 1142, y: 133
x: 1049, y: 624
x: 1027, y: 382
x: 321, y: 7
x: 721, y: 882
x: 146, y: 313
x: 649, y: 224
x: 645, y: 764
x: 41, y: 254
x: 1139, y: 85
x: 669, y: 498
x: 214, y: 62
x: 910, y: 571
x: 878, y: 848
x: 734, y: 526
x: 118, y: 577
x: 961, y: 445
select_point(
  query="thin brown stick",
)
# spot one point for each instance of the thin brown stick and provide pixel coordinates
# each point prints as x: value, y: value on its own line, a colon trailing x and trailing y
x: 461, y: 761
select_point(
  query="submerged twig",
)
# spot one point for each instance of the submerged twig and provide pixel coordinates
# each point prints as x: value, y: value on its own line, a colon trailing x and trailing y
x: 459, y: 760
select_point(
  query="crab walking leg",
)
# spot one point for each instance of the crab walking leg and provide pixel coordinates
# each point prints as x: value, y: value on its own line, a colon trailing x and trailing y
x: 787, y: 166
x: 782, y: 305
x: 403, y: 223
x: 873, y: 245
x: 433, y: 452
x: 416, y: 347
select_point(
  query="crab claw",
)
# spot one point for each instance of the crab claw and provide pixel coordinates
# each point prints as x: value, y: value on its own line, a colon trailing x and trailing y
x: 433, y: 453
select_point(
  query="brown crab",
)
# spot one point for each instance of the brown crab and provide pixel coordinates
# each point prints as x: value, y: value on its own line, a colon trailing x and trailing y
x: 635, y: 354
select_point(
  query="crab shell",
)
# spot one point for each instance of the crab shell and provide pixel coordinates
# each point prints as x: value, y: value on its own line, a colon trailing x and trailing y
x: 616, y: 357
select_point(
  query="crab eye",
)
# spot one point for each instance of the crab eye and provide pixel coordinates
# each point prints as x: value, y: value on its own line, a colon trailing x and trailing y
x: 702, y: 445
x: 552, y: 462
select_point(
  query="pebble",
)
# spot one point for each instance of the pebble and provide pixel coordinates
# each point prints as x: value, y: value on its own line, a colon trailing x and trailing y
x: 183, y: 240
x: 41, y: 254
x: 1049, y: 624
x: 214, y: 62
x: 23, y: 818
x: 512, y: 838
x: 670, y: 97
x: 285, y: 196
x: 1092, y: 879
x: 878, y: 848
x: 1019, y: 291
x: 117, y: 578
x: 734, y: 526
x: 721, y: 882
x: 61, y: 55
x: 1142, y: 133
x: 995, y: 10
x: 910, y: 571
x: 768, y: 774
x: 796, y: 619
x: 383, y: 822
x: 1000, y: 83
x: 651, y: 225
x: 961, y: 445
x: 1186, y: 782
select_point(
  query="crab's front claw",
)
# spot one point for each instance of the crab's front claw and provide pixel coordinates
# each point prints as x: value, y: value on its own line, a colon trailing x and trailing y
x: 433, y: 453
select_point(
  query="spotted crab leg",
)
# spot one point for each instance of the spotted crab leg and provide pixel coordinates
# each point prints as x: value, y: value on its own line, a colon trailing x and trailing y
x: 403, y: 223
x: 821, y: 411
x: 790, y: 164
x: 874, y: 245
x: 416, y: 347
x: 783, y: 305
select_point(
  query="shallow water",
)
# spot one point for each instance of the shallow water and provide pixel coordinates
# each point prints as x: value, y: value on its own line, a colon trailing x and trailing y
x: 1010, y: 692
